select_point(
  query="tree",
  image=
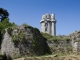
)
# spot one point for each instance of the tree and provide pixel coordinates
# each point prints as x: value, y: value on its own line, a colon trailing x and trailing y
x: 3, y: 14
x: 3, y: 25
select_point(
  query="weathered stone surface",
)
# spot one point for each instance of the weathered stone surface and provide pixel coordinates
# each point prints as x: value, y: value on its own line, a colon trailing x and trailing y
x: 76, y: 41
x: 48, y: 24
x: 33, y: 43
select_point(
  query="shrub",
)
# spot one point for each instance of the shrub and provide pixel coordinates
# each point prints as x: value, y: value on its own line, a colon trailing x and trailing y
x: 47, y: 36
x: 69, y: 48
x: 9, y: 31
x: 25, y: 24
x: 19, y: 38
x: 67, y: 39
x: 15, y: 39
x: 22, y: 37
x: 56, y: 40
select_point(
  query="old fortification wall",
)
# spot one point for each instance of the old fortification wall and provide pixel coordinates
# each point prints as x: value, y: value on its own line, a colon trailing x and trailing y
x: 64, y: 46
x: 26, y: 40
x: 23, y: 40
x: 76, y: 41
x: 61, y: 47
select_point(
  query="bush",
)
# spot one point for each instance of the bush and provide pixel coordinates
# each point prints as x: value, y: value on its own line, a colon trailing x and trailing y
x: 56, y: 40
x: 47, y: 36
x: 25, y: 24
x: 67, y: 40
x: 19, y: 38
x: 22, y: 37
x: 9, y: 31
x: 69, y: 49
x: 14, y: 38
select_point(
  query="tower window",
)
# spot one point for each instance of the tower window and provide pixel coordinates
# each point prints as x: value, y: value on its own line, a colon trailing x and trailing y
x: 45, y: 26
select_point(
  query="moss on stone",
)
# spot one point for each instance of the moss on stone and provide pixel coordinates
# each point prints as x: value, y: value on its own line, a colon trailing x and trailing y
x: 9, y: 30
x: 22, y: 37
x: 15, y: 39
x: 19, y: 38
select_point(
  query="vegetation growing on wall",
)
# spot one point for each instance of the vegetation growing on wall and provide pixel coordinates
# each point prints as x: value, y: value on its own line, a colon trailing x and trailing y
x: 19, y: 38
x: 9, y: 31
x: 47, y: 36
x: 15, y: 39
x: 36, y: 36
x: 67, y: 40
x: 35, y: 41
x: 55, y: 38
x: 69, y: 49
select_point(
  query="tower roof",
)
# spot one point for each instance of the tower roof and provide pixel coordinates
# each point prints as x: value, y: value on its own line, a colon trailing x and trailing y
x: 48, y: 17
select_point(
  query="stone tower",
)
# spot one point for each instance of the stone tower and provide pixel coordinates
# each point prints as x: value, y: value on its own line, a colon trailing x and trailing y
x: 48, y: 24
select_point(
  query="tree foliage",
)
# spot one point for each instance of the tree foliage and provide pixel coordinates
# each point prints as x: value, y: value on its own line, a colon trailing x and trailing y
x: 3, y: 14
x: 4, y: 22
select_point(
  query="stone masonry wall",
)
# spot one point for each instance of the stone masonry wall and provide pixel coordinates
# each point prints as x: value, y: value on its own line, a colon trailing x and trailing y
x: 24, y: 40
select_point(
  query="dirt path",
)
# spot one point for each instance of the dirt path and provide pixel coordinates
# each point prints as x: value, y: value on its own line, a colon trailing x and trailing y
x: 52, y: 57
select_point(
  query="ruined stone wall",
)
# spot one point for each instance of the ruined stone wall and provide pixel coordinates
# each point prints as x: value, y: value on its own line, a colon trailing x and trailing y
x: 61, y: 47
x: 23, y: 41
x: 76, y: 41
x: 60, y: 43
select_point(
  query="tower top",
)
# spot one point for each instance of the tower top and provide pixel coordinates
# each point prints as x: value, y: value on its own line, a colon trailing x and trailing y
x: 48, y: 16
x: 53, y: 16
